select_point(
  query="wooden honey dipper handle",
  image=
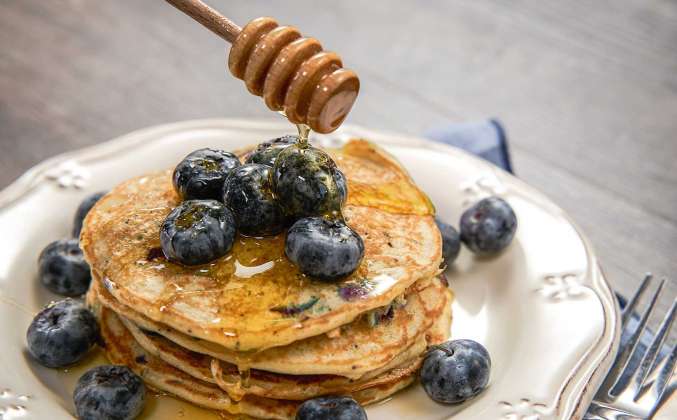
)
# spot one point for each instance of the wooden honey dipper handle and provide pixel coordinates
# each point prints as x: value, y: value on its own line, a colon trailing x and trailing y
x: 291, y: 72
x: 209, y: 18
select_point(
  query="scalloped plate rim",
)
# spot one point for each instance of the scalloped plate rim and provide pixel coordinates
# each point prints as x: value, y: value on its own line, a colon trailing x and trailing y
x: 570, y: 404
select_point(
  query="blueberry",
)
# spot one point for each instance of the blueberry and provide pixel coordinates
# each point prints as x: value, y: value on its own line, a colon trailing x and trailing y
x: 62, y: 268
x: 341, y: 185
x: 82, y: 211
x: 324, y: 249
x: 455, y: 371
x: 331, y: 408
x: 62, y: 333
x: 109, y: 393
x: 197, y: 232
x: 201, y: 174
x: 488, y: 226
x: 451, y: 242
x: 266, y: 152
x: 307, y: 182
x: 247, y: 193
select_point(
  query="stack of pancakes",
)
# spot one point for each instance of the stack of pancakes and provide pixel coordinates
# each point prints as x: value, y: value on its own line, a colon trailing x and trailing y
x: 248, y: 333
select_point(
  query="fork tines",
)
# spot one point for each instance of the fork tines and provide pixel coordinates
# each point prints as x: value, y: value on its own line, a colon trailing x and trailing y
x: 652, y: 373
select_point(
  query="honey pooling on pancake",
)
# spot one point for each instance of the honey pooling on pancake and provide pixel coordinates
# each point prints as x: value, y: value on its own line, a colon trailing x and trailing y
x: 231, y: 300
x: 255, y: 274
x: 377, y: 181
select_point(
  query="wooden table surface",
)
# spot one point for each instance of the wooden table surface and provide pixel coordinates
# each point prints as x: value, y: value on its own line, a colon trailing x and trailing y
x: 587, y: 91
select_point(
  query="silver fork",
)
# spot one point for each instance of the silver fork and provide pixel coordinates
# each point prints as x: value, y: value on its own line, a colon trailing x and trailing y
x: 640, y: 380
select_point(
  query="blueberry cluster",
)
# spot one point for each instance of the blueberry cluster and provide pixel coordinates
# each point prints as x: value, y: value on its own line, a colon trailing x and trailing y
x: 281, y: 183
x: 64, y: 332
x: 61, y: 335
x: 487, y: 228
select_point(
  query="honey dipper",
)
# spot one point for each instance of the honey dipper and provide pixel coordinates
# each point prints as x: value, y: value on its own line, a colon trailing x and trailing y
x: 289, y: 71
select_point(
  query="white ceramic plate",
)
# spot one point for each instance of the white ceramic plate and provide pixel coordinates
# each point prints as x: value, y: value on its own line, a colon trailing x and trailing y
x: 542, y: 308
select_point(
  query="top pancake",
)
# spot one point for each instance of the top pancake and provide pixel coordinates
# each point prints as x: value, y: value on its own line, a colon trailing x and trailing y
x: 254, y: 298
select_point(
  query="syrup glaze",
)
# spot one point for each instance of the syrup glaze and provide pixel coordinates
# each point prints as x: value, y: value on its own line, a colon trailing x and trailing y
x: 254, y: 286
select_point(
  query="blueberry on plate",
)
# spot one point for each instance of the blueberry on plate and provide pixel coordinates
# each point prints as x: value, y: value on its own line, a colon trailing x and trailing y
x: 201, y: 174
x: 451, y: 241
x: 247, y: 193
x: 82, y: 211
x: 109, y: 393
x: 334, y: 408
x: 197, y: 232
x: 455, y: 371
x: 325, y: 249
x: 307, y: 182
x: 266, y: 152
x: 62, y: 268
x: 62, y: 333
x: 489, y: 226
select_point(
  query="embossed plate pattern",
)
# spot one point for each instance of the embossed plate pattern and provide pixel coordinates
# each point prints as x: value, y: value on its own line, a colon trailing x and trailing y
x: 542, y: 308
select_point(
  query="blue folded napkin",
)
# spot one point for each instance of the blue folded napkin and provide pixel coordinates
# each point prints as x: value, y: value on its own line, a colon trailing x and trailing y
x: 485, y: 139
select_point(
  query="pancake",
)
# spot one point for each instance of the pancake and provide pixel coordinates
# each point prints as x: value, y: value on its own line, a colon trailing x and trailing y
x: 266, y: 384
x: 121, y: 348
x: 359, y: 349
x: 294, y: 387
x: 254, y: 298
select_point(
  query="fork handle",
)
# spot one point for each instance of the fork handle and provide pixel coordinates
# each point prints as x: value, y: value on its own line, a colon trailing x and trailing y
x: 209, y: 18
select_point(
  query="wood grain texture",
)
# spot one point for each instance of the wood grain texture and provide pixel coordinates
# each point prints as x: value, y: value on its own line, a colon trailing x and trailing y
x: 587, y: 90
x: 209, y: 18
